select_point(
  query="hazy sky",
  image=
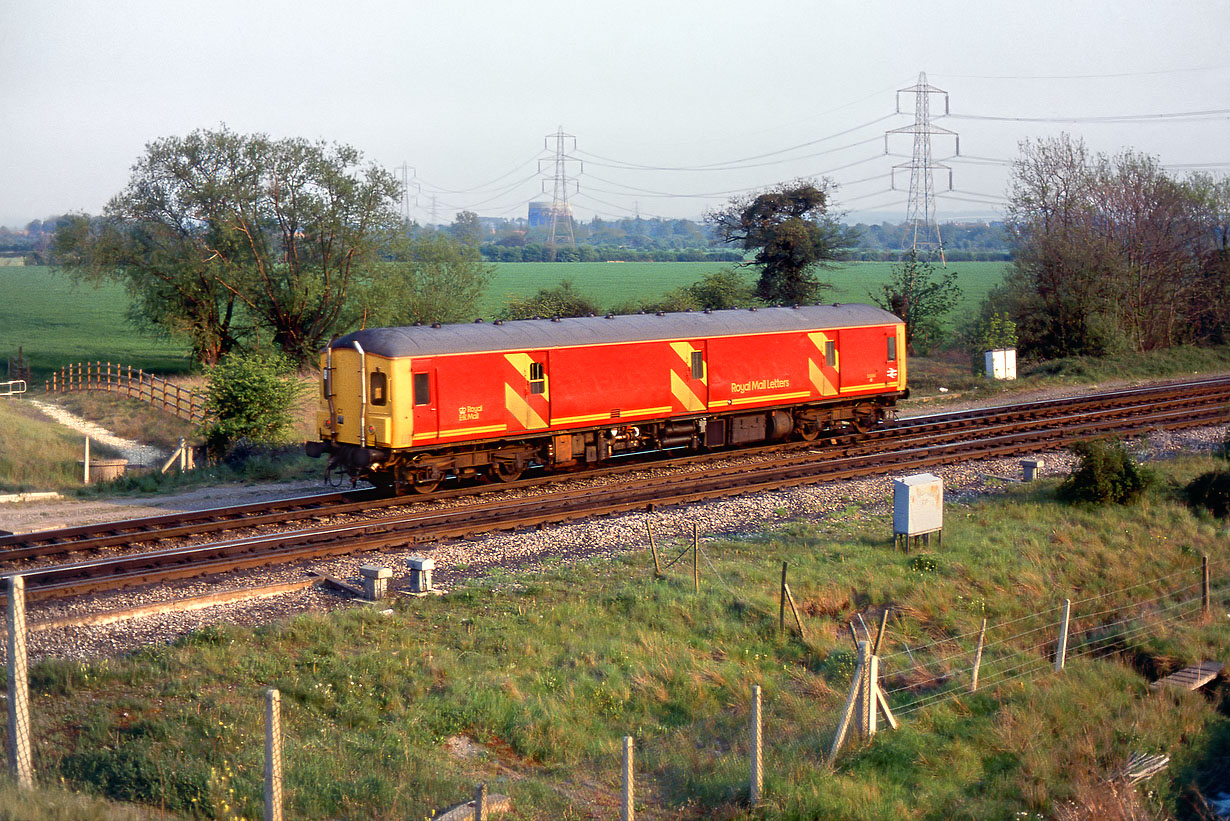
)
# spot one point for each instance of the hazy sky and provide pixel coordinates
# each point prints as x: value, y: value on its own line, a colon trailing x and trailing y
x: 466, y: 92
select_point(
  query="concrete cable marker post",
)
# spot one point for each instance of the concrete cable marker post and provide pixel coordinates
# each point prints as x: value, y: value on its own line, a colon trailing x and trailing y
x: 273, y: 755
x: 20, y: 767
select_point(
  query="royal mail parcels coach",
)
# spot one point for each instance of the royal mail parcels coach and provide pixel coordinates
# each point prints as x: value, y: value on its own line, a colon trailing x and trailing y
x: 408, y: 407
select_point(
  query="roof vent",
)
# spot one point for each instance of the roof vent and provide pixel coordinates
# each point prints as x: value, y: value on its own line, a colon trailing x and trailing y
x: 478, y: 321
x: 836, y: 304
x: 752, y: 308
x: 795, y: 306
x: 610, y: 316
x: 591, y: 313
x: 708, y: 311
x: 555, y: 319
x: 661, y: 313
x: 435, y: 324
x: 418, y: 322
x: 498, y: 322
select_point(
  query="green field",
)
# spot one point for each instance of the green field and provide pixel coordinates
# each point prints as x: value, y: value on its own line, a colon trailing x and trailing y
x: 58, y: 322
x: 616, y: 283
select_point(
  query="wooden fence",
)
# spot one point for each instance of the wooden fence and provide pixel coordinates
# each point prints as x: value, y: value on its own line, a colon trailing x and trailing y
x: 122, y: 379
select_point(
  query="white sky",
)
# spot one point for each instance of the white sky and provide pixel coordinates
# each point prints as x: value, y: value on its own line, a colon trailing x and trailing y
x: 465, y: 92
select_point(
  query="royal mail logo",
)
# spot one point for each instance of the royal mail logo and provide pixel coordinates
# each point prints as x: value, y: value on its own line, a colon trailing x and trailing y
x: 468, y: 413
x: 759, y: 385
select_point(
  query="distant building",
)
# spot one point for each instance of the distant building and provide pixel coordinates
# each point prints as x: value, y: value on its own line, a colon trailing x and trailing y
x: 541, y: 213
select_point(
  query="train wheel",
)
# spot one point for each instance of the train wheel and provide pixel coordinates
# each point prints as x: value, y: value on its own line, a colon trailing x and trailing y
x: 808, y: 431
x: 864, y: 417
x: 425, y: 487
x: 504, y: 472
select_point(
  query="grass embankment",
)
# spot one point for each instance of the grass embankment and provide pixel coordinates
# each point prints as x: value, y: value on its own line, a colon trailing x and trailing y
x: 957, y: 373
x: 39, y: 454
x: 545, y: 672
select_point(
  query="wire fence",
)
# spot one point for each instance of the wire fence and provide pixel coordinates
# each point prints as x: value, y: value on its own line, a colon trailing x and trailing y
x: 122, y: 379
x: 728, y: 744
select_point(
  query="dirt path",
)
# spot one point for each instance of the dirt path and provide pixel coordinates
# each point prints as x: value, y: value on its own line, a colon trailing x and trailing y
x: 135, y: 452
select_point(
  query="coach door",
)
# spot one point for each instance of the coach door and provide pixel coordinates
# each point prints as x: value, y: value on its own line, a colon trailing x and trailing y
x: 865, y: 358
x: 426, y: 418
x: 689, y: 377
x: 527, y: 394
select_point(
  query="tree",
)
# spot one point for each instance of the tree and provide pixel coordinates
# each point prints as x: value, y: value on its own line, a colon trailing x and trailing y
x: 431, y: 278
x: 920, y: 299
x: 791, y: 234
x: 250, y: 396
x: 1112, y: 253
x: 560, y: 300
x: 218, y: 220
x: 467, y: 229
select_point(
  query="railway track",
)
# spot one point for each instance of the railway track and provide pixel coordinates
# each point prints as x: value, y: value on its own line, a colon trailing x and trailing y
x: 910, y: 444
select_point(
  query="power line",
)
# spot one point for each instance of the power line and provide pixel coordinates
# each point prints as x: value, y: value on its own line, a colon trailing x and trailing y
x: 1179, y: 116
x: 1085, y: 76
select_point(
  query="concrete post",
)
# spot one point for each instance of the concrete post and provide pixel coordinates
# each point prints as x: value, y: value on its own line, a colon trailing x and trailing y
x: 273, y: 755
x: 86, y: 478
x: 1061, y: 650
x: 757, y: 775
x: 20, y: 767
x: 1030, y: 468
x: 420, y: 573
x: 480, y: 802
x: 375, y: 581
x: 627, y: 811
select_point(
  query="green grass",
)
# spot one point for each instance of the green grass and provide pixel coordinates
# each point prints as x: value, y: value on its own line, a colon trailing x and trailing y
x: 39, y: 454
x: 617, y: 283
x: 546, y: 672
x: 57, y: 322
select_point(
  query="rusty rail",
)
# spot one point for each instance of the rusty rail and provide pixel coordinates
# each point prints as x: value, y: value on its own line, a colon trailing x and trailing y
x: 122, y: 379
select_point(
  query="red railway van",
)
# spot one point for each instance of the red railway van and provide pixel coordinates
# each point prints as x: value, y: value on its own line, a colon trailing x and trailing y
x: 412, y: 404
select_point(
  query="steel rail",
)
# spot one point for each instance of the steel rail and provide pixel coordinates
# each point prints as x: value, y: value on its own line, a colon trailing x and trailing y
x: 640, y: 493
x: 127, y: 533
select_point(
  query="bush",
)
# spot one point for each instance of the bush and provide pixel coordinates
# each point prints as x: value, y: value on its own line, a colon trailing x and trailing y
x: 1211, y: 491
x: 1106, y: 473
x: 251, y: 396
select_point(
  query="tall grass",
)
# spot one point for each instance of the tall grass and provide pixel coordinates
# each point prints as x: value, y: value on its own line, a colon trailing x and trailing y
x: 546, y: 671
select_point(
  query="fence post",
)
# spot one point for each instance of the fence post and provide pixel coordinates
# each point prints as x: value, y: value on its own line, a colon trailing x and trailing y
x: 480, y: 802
x: 781, y: 611
x: 627, y: 812
x: 871, y: 683
x: 273, y: 755
x: 982, y: 635
x: 795, y: 611
x: 757, y: 775
x: 653, y: 548
x: 1204, y: 586
x: 1061, y: 651
x: 19, y: 687
x: 695, y: 560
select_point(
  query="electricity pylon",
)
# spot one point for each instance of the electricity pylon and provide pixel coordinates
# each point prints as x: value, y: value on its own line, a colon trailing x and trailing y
x: 561, y: 211
x: 922, y: 231
x: 408, y: 176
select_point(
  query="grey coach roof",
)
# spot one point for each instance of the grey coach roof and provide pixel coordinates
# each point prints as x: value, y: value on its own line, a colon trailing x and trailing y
x: 534, y: 334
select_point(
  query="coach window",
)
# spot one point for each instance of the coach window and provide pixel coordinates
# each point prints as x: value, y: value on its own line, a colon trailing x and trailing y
x: 538, y: 378
x: 380, y: 388
x: 422, y: 389
x: 892, y: 349
x: 830, y: 353
x: 698, y: 365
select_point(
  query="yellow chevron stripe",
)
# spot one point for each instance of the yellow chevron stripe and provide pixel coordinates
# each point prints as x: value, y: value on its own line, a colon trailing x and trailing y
x: 824, y: 386
x: 522, y: 362
x: 686, y: 396
x: 521, y: 410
